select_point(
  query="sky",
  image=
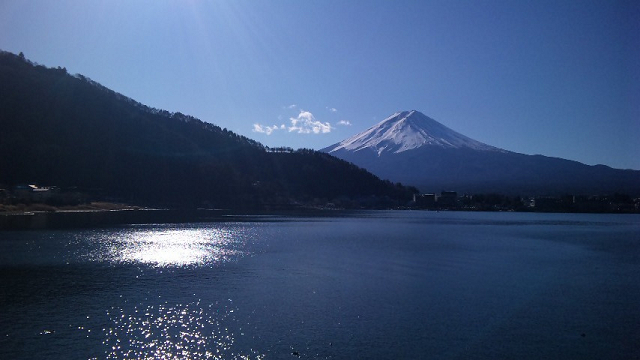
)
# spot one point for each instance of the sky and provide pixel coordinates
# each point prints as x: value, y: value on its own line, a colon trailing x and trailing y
x: 557, y: 78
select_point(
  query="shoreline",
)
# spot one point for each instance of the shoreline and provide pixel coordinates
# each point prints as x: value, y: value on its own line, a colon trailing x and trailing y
x: 95, y: 218
x: 82, y: 217
x: 64, y: 219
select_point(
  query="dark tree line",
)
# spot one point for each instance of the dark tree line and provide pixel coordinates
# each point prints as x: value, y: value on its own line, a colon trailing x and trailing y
x: 64, y: 130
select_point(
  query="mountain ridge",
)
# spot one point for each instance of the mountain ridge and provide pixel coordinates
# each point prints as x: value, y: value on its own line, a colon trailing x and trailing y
x: 68, y: 131
x: 432, y: 157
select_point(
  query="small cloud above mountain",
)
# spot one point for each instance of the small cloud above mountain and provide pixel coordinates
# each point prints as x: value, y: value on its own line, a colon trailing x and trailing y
x: 265, y: 129
x: 303, y: 123
x: 306, y: 123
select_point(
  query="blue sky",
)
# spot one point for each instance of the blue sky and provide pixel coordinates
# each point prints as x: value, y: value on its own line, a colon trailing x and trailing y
x: 558, y: 78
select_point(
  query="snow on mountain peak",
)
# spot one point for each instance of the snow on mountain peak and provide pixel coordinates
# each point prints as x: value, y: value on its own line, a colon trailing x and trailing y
x: 408, y: 130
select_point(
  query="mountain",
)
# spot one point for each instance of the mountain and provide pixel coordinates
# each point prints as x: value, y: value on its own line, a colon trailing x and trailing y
x: 66, y: 130
x: 411, y: 148
x: 408, y: 130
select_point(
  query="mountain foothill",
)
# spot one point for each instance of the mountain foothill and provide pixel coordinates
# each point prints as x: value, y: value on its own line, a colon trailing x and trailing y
x: 70, y: 132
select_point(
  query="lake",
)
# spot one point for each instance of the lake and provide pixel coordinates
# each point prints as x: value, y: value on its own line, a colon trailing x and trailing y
x: 360, y: 285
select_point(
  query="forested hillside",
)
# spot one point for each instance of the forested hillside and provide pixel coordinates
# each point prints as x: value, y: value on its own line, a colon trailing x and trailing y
x: 69, y: 131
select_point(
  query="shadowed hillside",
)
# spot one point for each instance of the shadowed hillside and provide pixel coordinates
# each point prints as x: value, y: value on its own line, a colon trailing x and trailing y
x: 69, y: 131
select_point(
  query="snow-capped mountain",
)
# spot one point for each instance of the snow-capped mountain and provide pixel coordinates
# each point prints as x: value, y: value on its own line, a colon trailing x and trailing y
x: 411, y: 148
x: 408, y: 130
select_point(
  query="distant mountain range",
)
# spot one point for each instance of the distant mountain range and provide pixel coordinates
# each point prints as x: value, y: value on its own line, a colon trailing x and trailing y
x: 64, y: 130
x: 412, y: 148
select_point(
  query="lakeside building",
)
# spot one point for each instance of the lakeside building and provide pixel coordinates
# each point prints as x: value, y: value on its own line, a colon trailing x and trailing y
x: 446, y: 199
x: 424, y: 200
x: 34, y: 193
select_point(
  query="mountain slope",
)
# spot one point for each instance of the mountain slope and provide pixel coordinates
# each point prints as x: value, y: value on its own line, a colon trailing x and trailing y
x: 64, y: 130
x: 405, y: 131
x: 414, y: 149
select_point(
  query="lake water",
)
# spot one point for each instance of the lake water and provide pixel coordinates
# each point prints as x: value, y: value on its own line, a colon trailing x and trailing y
x: 367, y: 285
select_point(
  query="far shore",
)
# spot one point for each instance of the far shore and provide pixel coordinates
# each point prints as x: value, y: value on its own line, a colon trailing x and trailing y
x: 37, y: 216
x: 40, y: 207
x: 104, y: 214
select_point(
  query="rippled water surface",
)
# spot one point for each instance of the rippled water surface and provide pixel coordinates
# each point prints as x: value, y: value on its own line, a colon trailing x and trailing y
x: 371, y: 285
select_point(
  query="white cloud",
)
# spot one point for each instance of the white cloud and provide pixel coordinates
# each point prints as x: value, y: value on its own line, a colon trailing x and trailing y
x: 264, y: 129
x: 292, y: 106
x: 344, y: 122
x: 332, y: 109
x: 306, y: 123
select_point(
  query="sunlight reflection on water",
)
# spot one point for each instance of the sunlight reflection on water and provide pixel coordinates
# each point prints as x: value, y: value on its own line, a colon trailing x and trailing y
x: 181, y: 331
x: 173, y: 330
x: 178, y: 247
x: 173, y: 246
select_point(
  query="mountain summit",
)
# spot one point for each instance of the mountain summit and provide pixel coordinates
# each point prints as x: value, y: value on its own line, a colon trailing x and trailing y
x: 408, y: 130
x: 411, y: 148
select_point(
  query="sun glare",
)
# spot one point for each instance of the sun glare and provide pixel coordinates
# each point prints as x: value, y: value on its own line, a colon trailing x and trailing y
x: 177, y: 247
